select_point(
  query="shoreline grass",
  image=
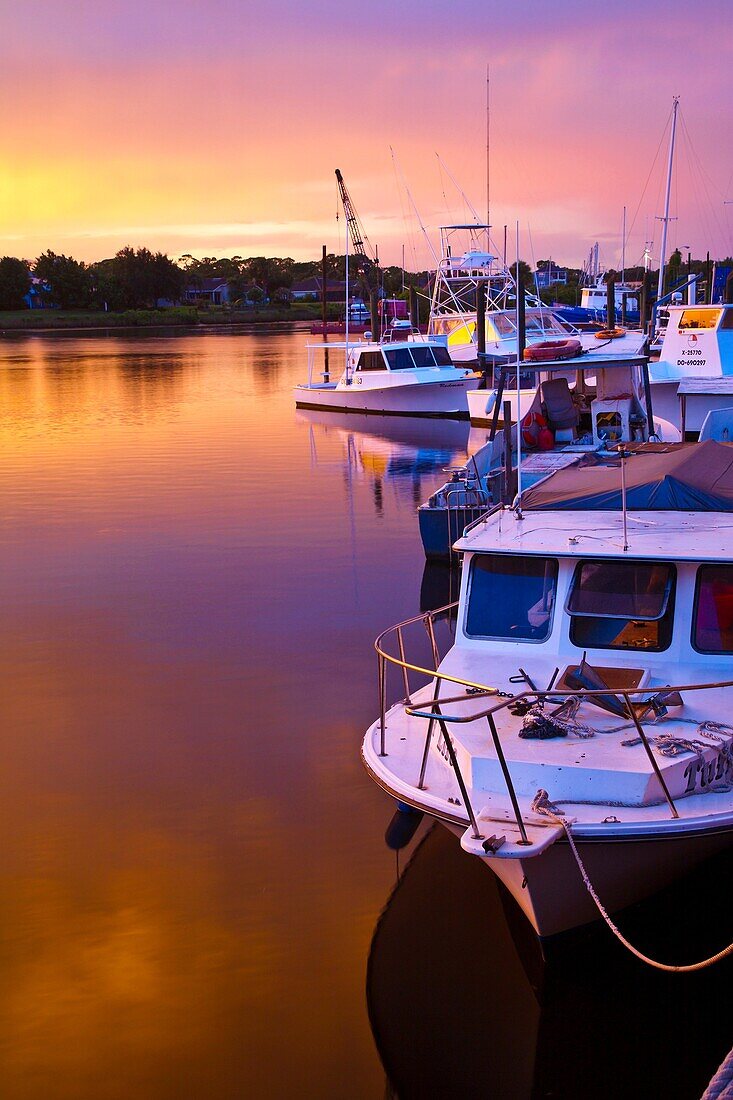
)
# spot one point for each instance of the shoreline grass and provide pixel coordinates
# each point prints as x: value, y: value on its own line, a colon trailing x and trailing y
x: 55, y: 320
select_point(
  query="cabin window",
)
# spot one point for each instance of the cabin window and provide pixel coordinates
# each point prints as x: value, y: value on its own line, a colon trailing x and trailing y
x: 370, y: 360
x: 698, y: 318
x: 727, y: 321
x: 422, y: 355
x: 712, y: 629
x: 399, y: 359
x: 503, y: 324
x: 622, y: 605
x: 442, y: 356
x: 511, y: 598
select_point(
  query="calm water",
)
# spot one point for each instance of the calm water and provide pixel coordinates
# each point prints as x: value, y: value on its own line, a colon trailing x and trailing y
x: 193, y: 865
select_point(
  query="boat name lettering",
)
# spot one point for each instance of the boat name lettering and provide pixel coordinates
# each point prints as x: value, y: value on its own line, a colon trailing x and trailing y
x: 701, y: 773
x: 442, y: 748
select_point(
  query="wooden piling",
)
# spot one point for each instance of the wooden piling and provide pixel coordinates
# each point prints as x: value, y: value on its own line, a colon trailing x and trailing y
x: 414, y: 307
x: 611, y: 304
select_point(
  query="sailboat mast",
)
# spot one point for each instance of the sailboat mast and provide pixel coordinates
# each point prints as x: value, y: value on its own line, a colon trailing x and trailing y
x: 623, y: 249
x: 668, y: 192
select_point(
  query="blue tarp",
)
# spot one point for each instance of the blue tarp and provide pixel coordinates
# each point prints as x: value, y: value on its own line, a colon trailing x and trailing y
x: 687, y: 477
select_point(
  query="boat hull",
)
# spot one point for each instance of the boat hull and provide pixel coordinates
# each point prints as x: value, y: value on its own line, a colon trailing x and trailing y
x: 549, y: 888
x: 550, y: 891
x: 440, y: 527
x: 481, y: 405
x: 446, y: 398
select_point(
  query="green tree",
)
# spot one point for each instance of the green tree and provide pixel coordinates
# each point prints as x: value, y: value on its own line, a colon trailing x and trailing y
x: 15, y: 282
x: 137, y: 279
x: 69, y: 282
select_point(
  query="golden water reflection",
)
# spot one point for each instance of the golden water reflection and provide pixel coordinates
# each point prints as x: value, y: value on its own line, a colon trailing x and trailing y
x: 192, y: 860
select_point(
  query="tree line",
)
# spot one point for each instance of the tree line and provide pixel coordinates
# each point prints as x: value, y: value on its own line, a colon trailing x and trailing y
x: 140, y: 279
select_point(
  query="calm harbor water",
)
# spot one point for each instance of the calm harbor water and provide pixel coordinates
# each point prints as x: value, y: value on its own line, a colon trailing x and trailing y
x: 193, y: 870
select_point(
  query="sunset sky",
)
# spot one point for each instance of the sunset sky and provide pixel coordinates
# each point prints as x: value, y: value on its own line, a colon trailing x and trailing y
x: 214, y: 126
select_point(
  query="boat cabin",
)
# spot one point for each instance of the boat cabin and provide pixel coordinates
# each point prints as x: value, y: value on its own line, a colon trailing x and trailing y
x: 501, y: 329
x: 575, y: 574
x: 698, y: 342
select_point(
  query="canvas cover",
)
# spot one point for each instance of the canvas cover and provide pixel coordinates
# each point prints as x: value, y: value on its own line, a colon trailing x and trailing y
x: 687, y: 477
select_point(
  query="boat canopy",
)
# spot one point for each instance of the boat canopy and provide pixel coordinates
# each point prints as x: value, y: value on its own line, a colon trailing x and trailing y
x: 686, y: 477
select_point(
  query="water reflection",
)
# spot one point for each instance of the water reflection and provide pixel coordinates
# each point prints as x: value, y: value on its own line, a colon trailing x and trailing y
x: 465, y: 1001
x: 190, y: 870
x: 408, y: 453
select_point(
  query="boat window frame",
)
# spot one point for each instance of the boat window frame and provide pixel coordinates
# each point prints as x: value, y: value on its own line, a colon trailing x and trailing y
x: 696, y: 610
x: 369, y: 352
x: 705, y: 311
x: 553, y: 561
x: 668, y: 607
x: 671, y: 579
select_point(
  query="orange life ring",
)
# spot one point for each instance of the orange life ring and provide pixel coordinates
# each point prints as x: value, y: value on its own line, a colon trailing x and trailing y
x: 610, y: 333
x: 553, y: 349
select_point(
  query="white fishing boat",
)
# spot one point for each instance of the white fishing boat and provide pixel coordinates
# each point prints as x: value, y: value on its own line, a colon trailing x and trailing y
x: 467, y: 270
x: 694, y: 372
x: 562, y: 354
x: 576, y: 733
x: 407, y: 375
x: 570, y: 408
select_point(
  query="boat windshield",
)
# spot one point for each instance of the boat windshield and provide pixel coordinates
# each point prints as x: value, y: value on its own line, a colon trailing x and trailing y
x: 544, y: 321
x: 419, y: 355
x: 622, y: 604
x: 712, y: 630
x: 431, y: 355
x: 511, y: 598
x: 698, y: 318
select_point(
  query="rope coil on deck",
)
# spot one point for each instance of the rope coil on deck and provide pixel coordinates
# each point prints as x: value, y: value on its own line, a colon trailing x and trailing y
x: 542, y: 805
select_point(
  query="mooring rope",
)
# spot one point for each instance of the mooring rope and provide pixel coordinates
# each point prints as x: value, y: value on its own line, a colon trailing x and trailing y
x: 541, y: 804
x: 721, y: 1086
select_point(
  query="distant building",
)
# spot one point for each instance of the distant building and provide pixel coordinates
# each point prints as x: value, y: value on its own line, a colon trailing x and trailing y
x: 549, y: 274
x: 213, y: 292
x: 309, y: 290
x: 35, y: 298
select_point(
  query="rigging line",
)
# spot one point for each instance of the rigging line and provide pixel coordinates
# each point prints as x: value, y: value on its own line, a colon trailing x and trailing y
x: 702, y: 169
x: 405, y: 218
x: 534, y: 262
x: 442, y: 186
x: 695, y: 184
x: 656, y: 155
x: 434, y: 254
x: 703, y: 174
x: 469, y: 205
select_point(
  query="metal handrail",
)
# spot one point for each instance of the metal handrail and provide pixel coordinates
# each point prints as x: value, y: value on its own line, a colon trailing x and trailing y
x: 467, y: 490
x: 433, y: 712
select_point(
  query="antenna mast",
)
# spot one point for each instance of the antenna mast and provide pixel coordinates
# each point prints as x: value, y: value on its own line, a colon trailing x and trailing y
x: 488, y: 158
x: 665, y: 219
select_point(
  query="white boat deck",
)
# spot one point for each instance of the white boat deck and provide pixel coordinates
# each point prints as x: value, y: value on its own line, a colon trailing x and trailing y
x: 684, y: 536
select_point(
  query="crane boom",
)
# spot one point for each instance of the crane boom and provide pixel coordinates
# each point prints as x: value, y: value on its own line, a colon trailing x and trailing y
x: 366, y: 261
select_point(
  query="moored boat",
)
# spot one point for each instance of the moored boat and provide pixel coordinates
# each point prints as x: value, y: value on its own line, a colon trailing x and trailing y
x: 576, y: 731
x: 406, y: 375
x: 693, y: 373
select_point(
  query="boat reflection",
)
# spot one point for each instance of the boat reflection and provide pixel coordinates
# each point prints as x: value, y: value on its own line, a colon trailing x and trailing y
x: 465, y: 1001
x: 401, y: 450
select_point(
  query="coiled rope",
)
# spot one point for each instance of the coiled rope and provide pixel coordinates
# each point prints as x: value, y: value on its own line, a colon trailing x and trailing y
x: 541, y: 804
